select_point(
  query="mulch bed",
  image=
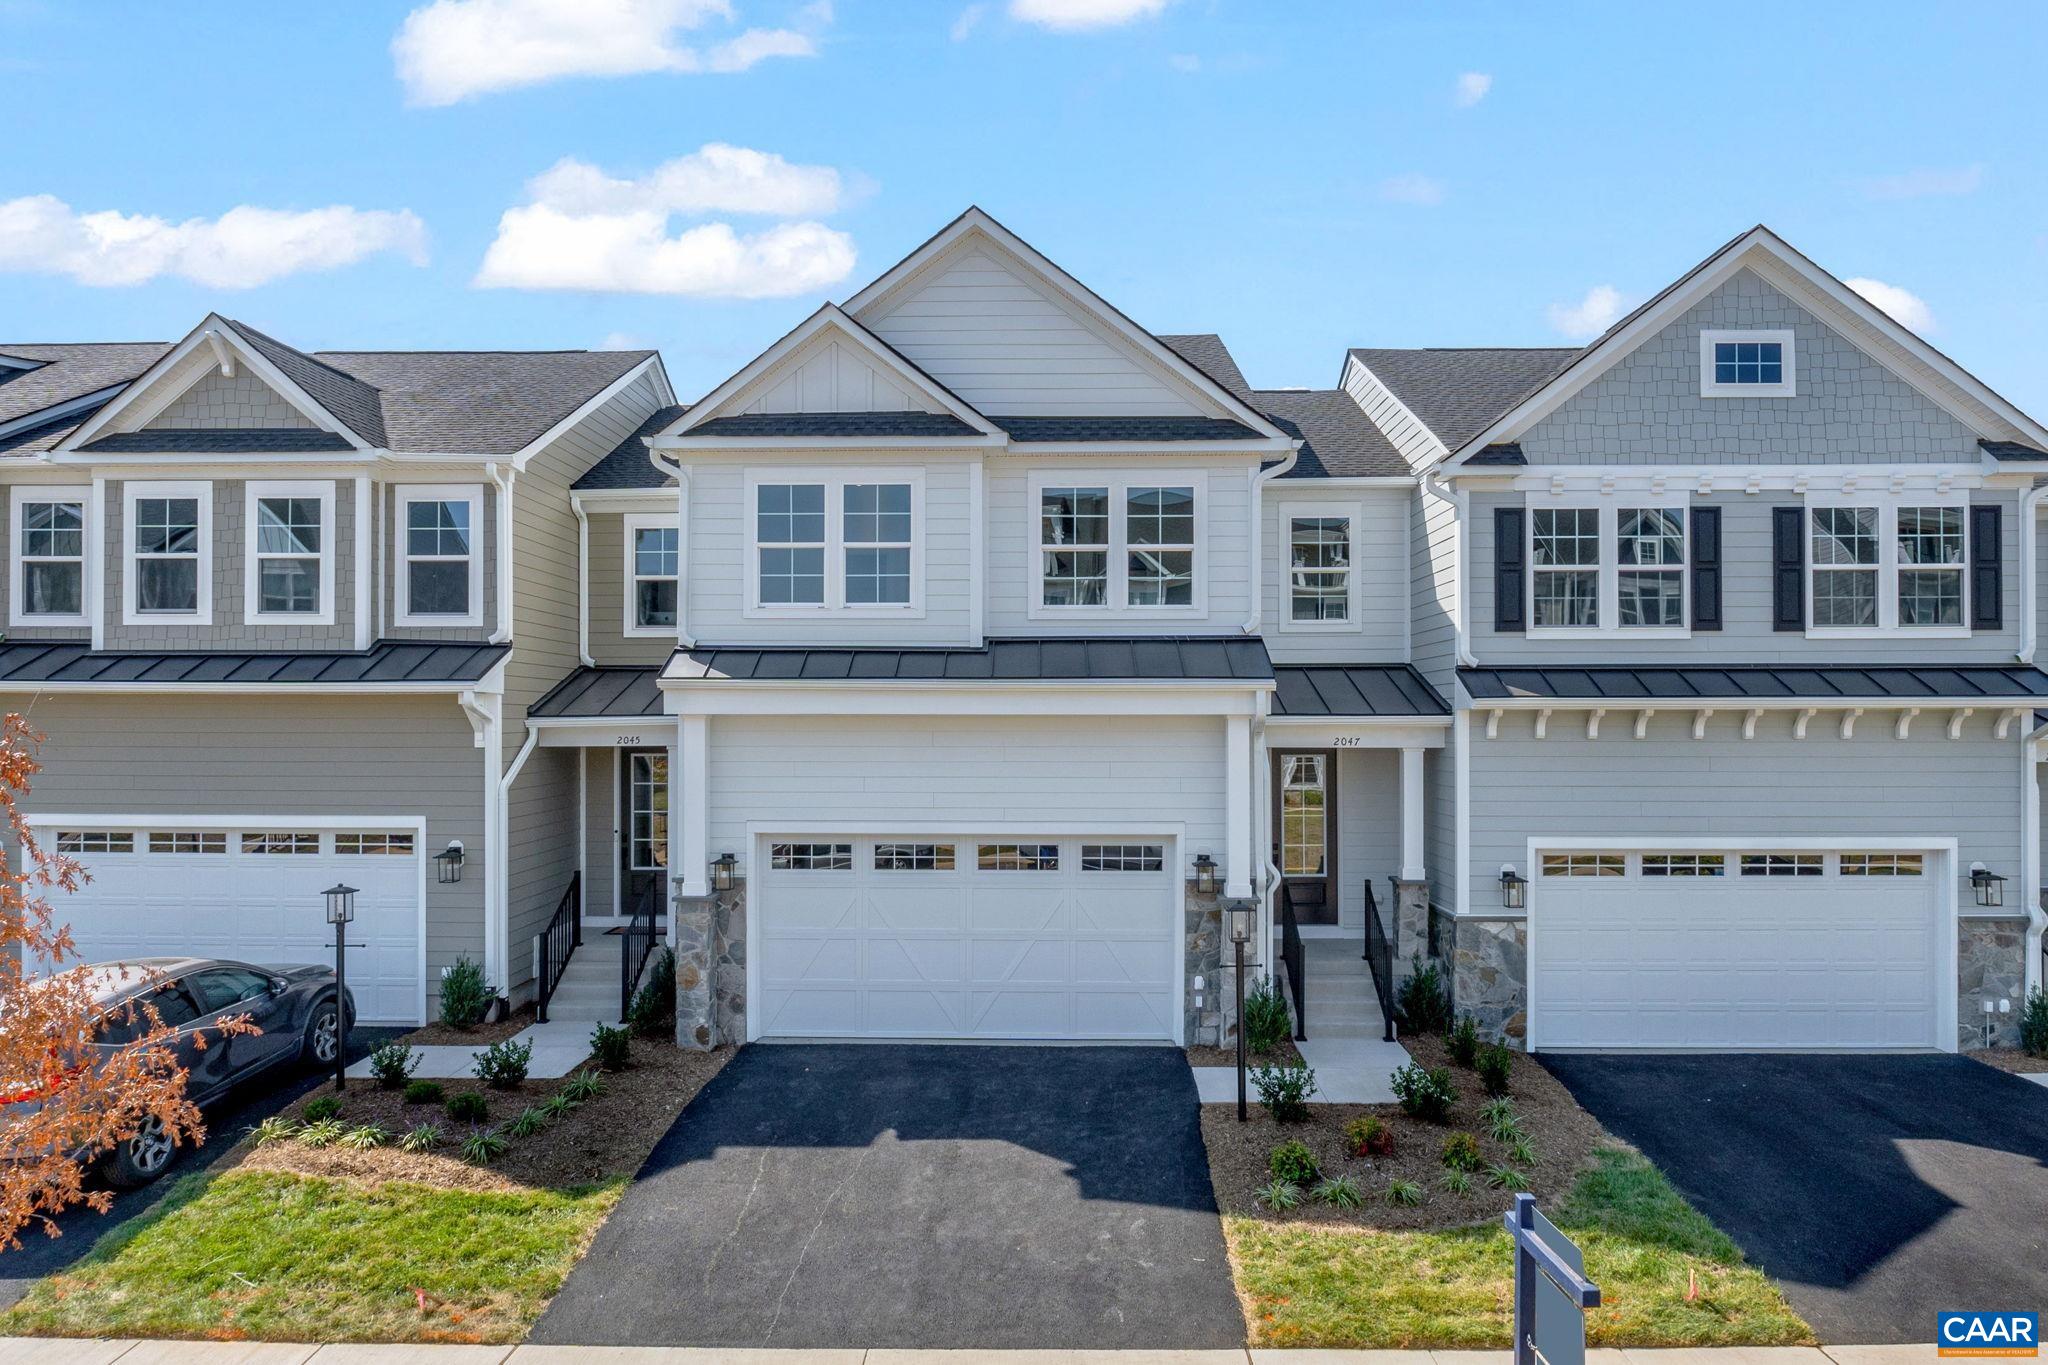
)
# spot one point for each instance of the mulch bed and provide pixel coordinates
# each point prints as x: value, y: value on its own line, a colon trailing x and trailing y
x: 438, y: 1034
x: 607, y: 1137
x: 1283, y: 1055
x: 2011, y: 1059
x: 1562, y: 1134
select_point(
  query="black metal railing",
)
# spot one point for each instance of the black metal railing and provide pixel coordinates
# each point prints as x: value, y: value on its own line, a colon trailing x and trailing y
x: 553, y: 945
x: 636, y: 944
x: 1296, y: 962
x: 1379, y: 956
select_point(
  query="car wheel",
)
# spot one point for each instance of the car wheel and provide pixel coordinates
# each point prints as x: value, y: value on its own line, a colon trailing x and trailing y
x: 323, y: 1035
x: 141, y: 1158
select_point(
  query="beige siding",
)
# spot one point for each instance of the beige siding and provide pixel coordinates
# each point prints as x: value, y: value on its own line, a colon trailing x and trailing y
x: 609, y: 644
x: 218, y: 403
x: 390, y: 537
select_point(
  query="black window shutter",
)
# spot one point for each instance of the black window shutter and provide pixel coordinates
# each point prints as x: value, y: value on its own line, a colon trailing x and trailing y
x: 1510, y: 568
x: 1987, y: 583
x: 1788, y: 568
x: 1706, y: 568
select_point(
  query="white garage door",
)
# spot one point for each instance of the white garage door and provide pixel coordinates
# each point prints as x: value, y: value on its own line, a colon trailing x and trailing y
x: 1736, y: 949
x: 255, y: 895
x: 953, y: 937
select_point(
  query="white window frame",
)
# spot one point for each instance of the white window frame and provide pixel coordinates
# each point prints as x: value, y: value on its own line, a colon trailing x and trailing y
x: 1610, y: 507
x: 1887, y: 504
x: 133, y: 492
x: 835, y: 482
x: 636, y: 522
x: 1290, y: 512
x: 18, y: 613
x: 405, y: 495
x: 1787, y: 387
x: 310, y: 490
x: 1119, y: 482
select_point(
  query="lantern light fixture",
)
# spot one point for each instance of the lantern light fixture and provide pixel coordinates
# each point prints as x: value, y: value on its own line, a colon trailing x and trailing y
x: 341, y: 903
x: 1514, y: 888
x: 1205, y: 875
x: 724, y: 872
x: 448, y: 863
x: 1989, y: 886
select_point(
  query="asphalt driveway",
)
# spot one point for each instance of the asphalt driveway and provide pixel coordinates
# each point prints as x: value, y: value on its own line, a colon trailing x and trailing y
x: 914, y: 1196
x: 1878, y: 1190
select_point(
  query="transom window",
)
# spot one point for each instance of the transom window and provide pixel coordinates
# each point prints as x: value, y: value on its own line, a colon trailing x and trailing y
x: 1123, y: 857
x: 287, y: 843
x: 1584, y: 864
x: 826, y: 543
x: 1885, y: 567
x: 1117, y: 546
x: 913, y: 857
x: 1684, y: 865
x: 1746, y: 364
x: 1883, y: 864
x: 653, y: 551
x: 291, y: 565
x: 187, y: 841
x: 169, y: 552
x: 49, y: 572
x: 1783, y: 864
x: 1605, y: 568
x: 440, y: 572
x: 1319, y: 568
x: 95, y: 841
x: 374, y: 845
x: 1017, y: 857
x: 811, y: 857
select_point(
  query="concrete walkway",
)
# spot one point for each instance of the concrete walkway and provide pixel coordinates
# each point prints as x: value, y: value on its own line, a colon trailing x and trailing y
x: 1346, y: 1045
x: 560, y: 1046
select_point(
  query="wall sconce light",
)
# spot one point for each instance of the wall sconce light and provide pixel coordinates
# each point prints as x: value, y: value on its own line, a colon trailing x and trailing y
x: 1205, y: 875
x: 724, y: 869
x: 1989, y: 886
x: 448, y: 863
x: 1514, y: 888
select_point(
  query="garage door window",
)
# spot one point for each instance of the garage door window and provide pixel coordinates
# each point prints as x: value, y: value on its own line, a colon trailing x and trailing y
x: 95, y: 841
x: 1018, y: 857
x: 287, y: 842
x: 811, y: 857
x: 372, y: 845
x: 1782, y: 864
x: 1584, y: 864
x: 186, y: 841
x: 913, y: 857
x: 1122, y: 857
x: 1882, y: 864
x: 1684, y: 865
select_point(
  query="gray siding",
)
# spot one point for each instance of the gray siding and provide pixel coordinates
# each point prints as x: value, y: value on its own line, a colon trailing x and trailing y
x: 601, y: 831
x: 389, y: 539
x: 609, y: 644
x: 1379, y: 559
x: 1848, y: 410
x: 1368, y: 831
x: 216, y: 403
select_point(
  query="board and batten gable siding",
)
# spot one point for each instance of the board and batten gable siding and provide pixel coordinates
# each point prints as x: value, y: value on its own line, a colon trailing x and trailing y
x: 1848, y: 409
x: 1006, y: 344
x: 609, y: 643
x: 1379, y: 560
x: 893, y: 774
x: 312, y: 756
x: 219, y: 402
x: 391, y: 542
x: 230, y: 544
x: 1746, y: 634
x: 828, y: 375
x: 1670, y: 785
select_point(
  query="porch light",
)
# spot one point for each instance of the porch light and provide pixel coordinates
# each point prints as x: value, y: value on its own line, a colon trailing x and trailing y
x: 1989, y: 886
x: 1514, y: 888
x: 723, y: 871
x: 1244, y: 922
x: 448, y: 863
x: 1205, y: 875
x: 341, y: 904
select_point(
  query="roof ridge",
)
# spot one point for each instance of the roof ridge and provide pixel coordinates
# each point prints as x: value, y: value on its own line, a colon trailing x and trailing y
x: 458, y: 350
x: 312, y: 356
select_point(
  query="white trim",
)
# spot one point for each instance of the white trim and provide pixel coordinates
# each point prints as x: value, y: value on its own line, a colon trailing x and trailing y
x: 1710, y: 387
x: 502, y: 535
x: 1353, y: 515
x: 1350, y: 734
x: 1608, y: 570
x: 1461, y: 802
x: 688, y: 814
x: 841, y: 698
x: 525, y: 453
x: 320, y: 491
x: 835, y: 482
x: 406, y: 493
x: 1118, y: 482
x: 57, y: 412
x: 631, y: 525
x: 96, y: 561
x: 1887, y: 502
x: 1631, y: 480
x: 133, y: 491
x: 20, y: 496
x: 365, y: 554
x: 977, y: 552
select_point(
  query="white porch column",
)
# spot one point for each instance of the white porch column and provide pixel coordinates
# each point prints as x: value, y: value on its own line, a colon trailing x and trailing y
x: 689, y: 837
x: 1412, y: 869
x: 1239, y: 858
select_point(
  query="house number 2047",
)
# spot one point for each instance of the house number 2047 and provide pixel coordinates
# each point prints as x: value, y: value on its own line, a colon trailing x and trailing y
x: 1349, y: 742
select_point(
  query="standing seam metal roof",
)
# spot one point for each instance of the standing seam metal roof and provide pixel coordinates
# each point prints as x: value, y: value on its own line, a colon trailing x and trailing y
x: 1761, y: 682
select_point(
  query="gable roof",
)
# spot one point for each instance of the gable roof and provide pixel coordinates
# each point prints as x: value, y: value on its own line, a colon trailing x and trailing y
x: 480, y: 402
x: 1458, y: 391
x: 63, y: 373
x: 1207, y: 353
x: 626, y: 465
x: 1338, y: 440
x: 348, y: 399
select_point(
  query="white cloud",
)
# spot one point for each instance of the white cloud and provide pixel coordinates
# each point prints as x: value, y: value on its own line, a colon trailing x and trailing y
x: 1412, y: 189
x: 583, y: 229
x: 624, y: 341
x: 1925, y: 183
x: 1907, y: 309
x: 1472, y: 87
x: 244, y: 247
x: 1589, y: 317
x: 451, y: 50
x: 1187, y: 63
x: 967, y: 21
x: 1074, y: 16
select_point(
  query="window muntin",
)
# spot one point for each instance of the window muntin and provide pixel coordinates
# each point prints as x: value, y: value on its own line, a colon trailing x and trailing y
x: 1017, y: 857
x: 1650, y: 572
x: 653, y: 574
x: 914, y: 857
x: 1073, y: 544
x: 281, y: 843
x: 823, y: 542
x: 1319, y: 568
x: 647, y: 811
x: 187, y: 841
x: 811, y: 857
x: 1304, y: 815
x: 1930, y: 548
x: 1118, y: 545
x: 876, y: 531
x: 50, y: 541
x: 1783, y: 864
x: 1123, y: 857
x: 95, y: 841
x: 440, y: 569
x: 167, y: 553
x: 1684, y: 865
x: 1845, y: 566
x: 1883, y: 864
x: 1584, y: 864
x: 1878, y: 566
x: 290, y: 552
x: 374, y: 845
x: 1747, y: 364
x: 1565, y: 559
x: 1607, y: 568
x: 1159, y: 530
x: 789, y: 537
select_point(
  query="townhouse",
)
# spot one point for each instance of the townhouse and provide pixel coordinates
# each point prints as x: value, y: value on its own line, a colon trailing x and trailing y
x: 961, y: 664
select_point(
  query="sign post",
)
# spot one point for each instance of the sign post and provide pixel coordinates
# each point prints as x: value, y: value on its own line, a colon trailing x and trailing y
x: 1552, y: 1292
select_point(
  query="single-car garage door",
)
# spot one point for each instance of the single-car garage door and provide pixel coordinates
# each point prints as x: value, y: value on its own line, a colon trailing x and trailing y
x: 1738, y: 948
x: 252, y: 894
x: 960, y: 937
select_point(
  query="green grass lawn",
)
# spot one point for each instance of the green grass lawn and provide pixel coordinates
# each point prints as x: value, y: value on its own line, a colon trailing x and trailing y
x: 1317, y: 1285
x: 272, y: 1256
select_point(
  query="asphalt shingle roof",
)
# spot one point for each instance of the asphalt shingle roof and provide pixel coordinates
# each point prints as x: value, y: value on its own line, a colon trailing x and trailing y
x: 2011, y: 450
x: 1029, y: 430
x: 27, y: 665
x: 67, y: 371
x: 267, y: 440
x: 479, y: 402
x: 835, y: 424
x: 356, y: 403
x: 1207, y: 353
x: 1338, y: 439
x: 1457, y: 392
x: 627, y: 465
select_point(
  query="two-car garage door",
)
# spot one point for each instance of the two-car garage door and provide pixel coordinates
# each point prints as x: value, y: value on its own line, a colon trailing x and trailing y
x: 996, y: 937
x: 1738, y: 948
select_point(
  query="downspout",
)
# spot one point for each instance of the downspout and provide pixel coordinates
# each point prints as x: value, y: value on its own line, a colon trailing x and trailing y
x: 503, y: 483
x: 583, y: 582
x: 674, y: 470
x: 1460, y: 502
x: 2029, y: 571
x: 1255, y: 489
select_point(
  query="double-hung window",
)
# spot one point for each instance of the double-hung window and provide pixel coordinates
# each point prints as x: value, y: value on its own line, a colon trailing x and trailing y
x: 1746, y: 364
x: 1320, y: 581
x: 835, y: 542
x: 1879, y: 566
x: 1128, y: 545
x: 440, y: 560
x: 49, y: 556
x: 652, y: 571
x: 1606, y: 567
x: 290, y: 573
x: 169, y: 565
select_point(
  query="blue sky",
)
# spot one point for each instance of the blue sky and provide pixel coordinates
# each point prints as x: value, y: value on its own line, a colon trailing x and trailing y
x: 1299, y: 177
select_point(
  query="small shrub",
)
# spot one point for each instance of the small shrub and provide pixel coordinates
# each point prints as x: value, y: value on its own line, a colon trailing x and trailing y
x: 1405, y: 1194
x: 1521, y: 1153
x: 1461, y: 1152
x: 502, y: 1065
x: 421, y: 1137
x: 322, y: 1133
x: 1502, y: 1123
x: 1506, y: 1178
x: 1495, y: 1064
x: 582, y: 1087
x: 1284, y: 1091
x: 423, y: 1092
x: 610, y: 1047
x: 1266, y: 1022
x: 1423, y: 1003
x: 1463, y: 1042
x: 653, y: 1011
x: 322, y: 1109
x: 1340, y: 1192
x: 1280, y: 1195
x: 529, y: 1122
x: 1293, y: 1161
x: 2034, y: 1024
x: 466, y: 1106
x: 484, y: 1146
x: 465, y: 994
x: 1425, y: 1093
x: 276, y: 1128
x: 1368, y: 1136
x: 1455, y: 1182
x: 554, y: 1106
x: 392, y: 1064
x: 364, y: 1137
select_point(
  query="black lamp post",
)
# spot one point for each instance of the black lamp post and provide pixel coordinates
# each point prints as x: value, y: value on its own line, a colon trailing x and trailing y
x: 341, y: 909
x: 1244, y: 919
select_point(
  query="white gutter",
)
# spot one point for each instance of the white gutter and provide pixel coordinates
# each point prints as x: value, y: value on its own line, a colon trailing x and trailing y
x: 1461, y: 559
x: 583, y: 583
x: 1255, y: 488
x: 503, y: 483
x: 2029, y: 607
x: 676, y: 471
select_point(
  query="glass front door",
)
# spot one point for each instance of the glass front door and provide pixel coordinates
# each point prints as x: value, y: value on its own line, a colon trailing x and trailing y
x: 1306, y: 820
x: 643, y: 841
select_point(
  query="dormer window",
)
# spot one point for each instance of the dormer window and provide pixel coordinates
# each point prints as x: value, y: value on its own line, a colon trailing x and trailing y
x: 1753, y: 364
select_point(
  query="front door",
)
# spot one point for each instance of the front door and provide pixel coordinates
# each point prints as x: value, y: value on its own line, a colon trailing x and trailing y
x: 643, y: 840
x: 1306, y: 818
